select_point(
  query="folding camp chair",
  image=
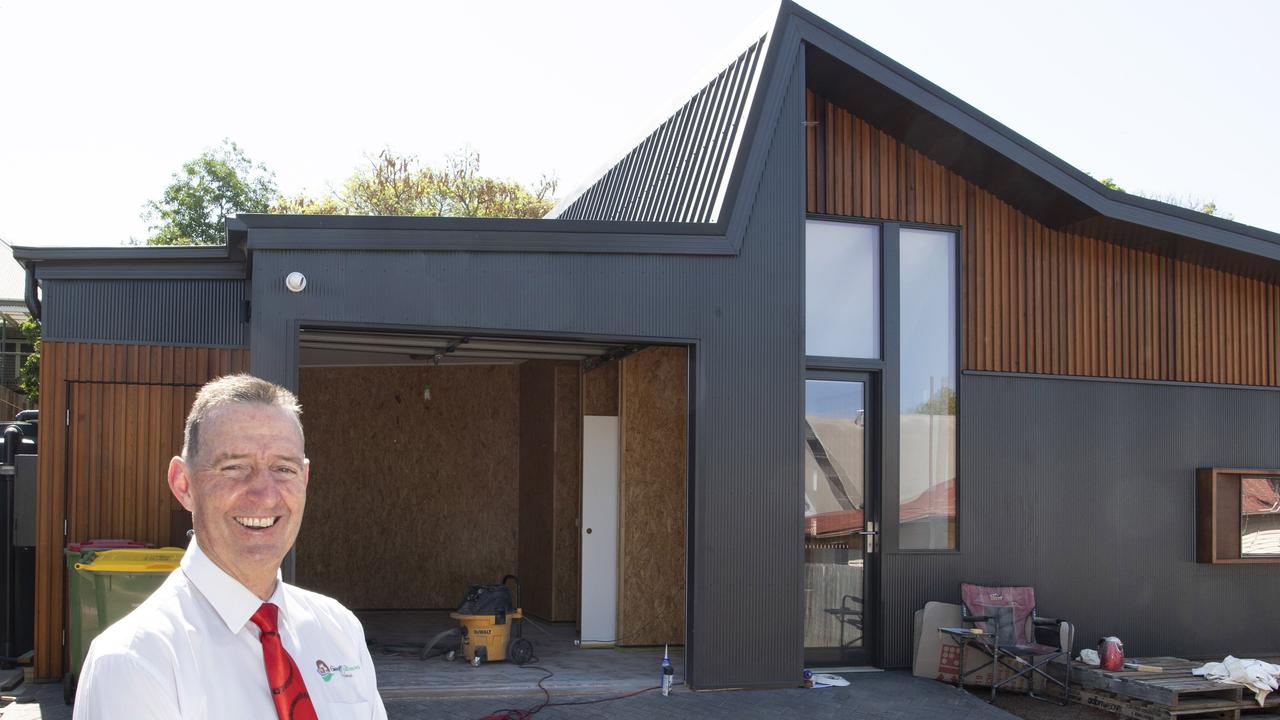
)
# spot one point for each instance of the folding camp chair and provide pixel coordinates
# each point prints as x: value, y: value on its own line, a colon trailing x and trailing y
x: 1014, y: 637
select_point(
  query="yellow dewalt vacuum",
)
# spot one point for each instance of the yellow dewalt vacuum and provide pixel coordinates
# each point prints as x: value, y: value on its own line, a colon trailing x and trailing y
x: 492, y: 626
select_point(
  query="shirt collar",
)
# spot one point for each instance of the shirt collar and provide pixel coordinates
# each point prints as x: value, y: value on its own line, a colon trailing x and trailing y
x: 234, y: 602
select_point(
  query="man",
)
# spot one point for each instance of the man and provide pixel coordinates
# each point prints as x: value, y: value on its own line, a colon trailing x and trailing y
x: 224, y: 636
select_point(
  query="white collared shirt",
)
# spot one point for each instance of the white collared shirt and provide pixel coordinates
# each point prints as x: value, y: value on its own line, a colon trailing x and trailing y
x: 191, y: 652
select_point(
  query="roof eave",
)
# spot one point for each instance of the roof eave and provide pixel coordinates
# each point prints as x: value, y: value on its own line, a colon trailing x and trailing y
x: 1000, y: 139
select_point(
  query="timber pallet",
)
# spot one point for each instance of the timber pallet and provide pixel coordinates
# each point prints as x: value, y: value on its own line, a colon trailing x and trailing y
x: 1173, y: 693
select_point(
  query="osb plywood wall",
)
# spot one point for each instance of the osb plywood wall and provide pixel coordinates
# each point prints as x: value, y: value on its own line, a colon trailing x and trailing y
x: 410, y: 500
x: 537, y: 486
x: 654, y: 414
x: 568, y: 492
x: 600, y: 390
x: 550, y: 488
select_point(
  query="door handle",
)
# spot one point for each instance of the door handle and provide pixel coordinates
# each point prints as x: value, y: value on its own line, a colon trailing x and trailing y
x: 868, y: 532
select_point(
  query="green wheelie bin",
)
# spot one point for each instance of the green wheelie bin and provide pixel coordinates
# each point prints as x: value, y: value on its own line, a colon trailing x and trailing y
x: 104, y: 586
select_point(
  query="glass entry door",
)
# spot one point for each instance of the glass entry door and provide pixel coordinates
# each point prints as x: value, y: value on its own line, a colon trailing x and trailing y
x: 840, y: 526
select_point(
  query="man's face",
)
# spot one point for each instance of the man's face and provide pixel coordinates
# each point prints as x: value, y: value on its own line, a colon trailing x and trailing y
x: 246, y: 488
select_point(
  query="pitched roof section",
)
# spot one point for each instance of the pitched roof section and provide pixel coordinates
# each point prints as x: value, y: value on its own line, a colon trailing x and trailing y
x: 680, y: 172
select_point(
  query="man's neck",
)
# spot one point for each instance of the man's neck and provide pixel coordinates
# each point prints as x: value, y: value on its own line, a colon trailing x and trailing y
x: 260, y: 582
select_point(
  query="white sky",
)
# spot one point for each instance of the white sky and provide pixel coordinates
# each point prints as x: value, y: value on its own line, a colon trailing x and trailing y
x: 100, y: 102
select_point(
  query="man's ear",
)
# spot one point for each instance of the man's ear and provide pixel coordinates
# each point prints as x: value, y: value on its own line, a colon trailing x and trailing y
x: 180, y: 481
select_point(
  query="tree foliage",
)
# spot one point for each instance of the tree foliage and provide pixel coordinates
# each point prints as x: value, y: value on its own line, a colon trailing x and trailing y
x: 194, y: 207
x: 29, y: 373
x: 1208, y: 207
x: 394, y: 184
x: 942, y: 402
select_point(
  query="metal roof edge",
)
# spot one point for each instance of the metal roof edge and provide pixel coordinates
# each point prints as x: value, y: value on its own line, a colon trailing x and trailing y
x: 392, y: 239
x: 757, y: 135
x: 1022, y: 151
x: 465, y: 224
x: 27, y: 254
x: 352, y: 232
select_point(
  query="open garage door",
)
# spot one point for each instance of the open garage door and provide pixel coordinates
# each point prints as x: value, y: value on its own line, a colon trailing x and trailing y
x: 441, y: 461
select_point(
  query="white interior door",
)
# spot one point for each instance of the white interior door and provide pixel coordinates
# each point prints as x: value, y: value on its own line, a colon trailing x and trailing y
x: 599, y: 529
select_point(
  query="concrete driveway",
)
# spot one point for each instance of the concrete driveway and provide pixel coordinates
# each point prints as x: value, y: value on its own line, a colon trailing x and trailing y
x: 870, y: 695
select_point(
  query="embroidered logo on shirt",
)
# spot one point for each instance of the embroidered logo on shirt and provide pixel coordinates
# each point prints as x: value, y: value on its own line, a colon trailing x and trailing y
x: 327, y: 671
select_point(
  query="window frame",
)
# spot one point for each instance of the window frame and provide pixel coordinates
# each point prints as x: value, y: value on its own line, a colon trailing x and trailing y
x: 888, y: 368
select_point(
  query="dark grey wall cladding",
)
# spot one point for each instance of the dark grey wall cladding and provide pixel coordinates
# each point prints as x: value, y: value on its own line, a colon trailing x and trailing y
x: 675, y: 174
x: 743, y: 313
x: 162, y: 312
x: 1086, y: 490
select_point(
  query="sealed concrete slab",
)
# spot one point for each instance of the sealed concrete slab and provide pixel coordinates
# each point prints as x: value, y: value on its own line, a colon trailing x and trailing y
x: 869, y: 696
x: 566, y: 667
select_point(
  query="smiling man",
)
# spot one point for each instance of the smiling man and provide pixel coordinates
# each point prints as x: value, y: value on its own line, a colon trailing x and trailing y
x: 224, y: 636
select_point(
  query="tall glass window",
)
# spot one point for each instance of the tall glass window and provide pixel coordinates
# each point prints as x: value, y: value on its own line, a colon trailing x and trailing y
x: 842, y: 290
x: 927, y: 403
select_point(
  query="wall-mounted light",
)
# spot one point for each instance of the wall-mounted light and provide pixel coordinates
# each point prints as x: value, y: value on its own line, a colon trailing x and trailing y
x: 295, y: 281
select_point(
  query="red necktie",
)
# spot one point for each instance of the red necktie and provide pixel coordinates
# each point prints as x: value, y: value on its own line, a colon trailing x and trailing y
x: 288, y: 691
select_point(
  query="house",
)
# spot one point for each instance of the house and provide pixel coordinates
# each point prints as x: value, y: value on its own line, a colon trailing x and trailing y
x: 825, y: 344
x: 14, y: 345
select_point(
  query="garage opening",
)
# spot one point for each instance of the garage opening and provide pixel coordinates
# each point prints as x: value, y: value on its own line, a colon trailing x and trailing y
x: 441, y: 461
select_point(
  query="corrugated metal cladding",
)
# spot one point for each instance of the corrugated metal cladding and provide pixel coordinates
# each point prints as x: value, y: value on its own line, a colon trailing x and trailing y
x: 208, y: 313
x: 742, y: 311
x: 1085, y: 490
x: 675, y: 174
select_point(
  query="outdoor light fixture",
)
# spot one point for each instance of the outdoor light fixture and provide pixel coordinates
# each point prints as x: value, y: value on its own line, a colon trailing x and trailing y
x: 295, y: 281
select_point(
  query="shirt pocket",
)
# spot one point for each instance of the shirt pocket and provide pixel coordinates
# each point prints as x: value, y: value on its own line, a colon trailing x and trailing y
x: 346, y: 710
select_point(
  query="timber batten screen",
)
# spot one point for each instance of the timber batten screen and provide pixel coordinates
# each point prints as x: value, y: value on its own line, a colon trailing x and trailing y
x: 1044, y: 301
x: 113, y: 416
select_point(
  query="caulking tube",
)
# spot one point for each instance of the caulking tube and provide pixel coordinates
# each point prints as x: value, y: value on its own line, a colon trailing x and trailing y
x: 668, y: 672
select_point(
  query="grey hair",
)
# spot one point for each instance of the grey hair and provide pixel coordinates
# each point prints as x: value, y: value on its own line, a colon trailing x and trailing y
x: 228, y: 390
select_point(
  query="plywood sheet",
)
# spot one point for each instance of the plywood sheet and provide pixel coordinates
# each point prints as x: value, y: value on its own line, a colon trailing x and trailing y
x: 568, y: 492
x: 654, y: 417
x: 550, y: 487
x: 410, y: 500
x: 600, y: 390
x: 537, y: 487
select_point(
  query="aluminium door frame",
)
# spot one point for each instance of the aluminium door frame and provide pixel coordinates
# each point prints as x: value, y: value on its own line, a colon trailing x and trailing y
x: 870, y: 374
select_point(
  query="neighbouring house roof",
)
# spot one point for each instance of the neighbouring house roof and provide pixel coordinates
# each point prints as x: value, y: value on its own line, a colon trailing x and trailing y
x: 12, y: 276
x: 1259, y: 495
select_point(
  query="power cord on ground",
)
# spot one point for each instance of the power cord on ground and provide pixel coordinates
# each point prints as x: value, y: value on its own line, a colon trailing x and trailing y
x: 526, y: 713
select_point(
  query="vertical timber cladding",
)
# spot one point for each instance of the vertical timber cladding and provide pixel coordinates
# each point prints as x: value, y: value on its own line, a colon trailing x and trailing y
x: 113, y: 417
x: 1043, y: 301
x: 654, y: 411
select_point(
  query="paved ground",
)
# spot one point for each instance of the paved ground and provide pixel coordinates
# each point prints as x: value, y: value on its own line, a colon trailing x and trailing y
x: 577, y: 671
x: 870, y: 696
